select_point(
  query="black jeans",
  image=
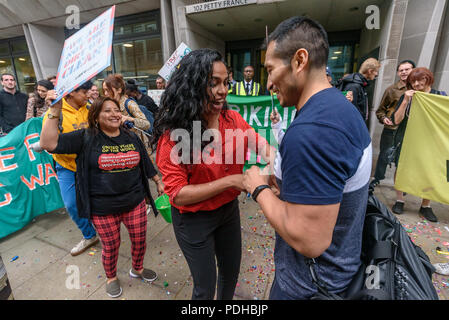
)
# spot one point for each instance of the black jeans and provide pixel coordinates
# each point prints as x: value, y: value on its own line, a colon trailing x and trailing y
x: 204, y: 236
x: 386, y: 141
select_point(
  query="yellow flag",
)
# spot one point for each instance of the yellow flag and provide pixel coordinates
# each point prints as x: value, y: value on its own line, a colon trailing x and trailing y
x: 424, y: 160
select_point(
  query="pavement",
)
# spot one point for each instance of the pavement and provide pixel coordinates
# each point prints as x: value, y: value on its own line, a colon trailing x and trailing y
x: 45, y: 270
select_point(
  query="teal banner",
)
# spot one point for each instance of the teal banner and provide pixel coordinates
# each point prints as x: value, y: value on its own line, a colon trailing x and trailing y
x: 28, y: 183
x: 256, y: 111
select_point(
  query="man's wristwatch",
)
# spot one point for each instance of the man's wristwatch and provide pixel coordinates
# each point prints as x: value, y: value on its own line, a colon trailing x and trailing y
x: 52, y: 116
x: 258, y: 190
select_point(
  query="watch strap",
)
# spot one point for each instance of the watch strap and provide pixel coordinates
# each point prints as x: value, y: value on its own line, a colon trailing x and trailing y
x: 258, y: 190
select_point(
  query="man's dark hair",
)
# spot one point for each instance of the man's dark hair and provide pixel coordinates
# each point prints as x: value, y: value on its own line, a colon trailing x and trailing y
x: 7, y: 74
x: 86, y: 86
x: 301, y: 32
x: 131, y: 85
x: 404, y: 62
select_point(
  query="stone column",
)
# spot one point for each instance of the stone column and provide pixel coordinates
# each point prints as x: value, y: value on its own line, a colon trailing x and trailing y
x: 167, y: 30
x: 390, y: 39
x: 45, y: 45
x: 441, y: 70
x: 422, y: 29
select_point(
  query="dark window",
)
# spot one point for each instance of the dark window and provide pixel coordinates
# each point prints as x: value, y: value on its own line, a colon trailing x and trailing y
x: 15, y: 59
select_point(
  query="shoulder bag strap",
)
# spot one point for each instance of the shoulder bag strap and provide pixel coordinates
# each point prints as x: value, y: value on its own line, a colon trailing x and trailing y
x: 127, y: 108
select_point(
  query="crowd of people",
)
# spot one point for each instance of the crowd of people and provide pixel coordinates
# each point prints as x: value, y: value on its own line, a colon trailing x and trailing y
x: 313, y: 191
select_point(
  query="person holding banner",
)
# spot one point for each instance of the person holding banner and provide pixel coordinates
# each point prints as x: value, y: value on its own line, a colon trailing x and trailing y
x: 204, y: 182
x: 386, y: 108
x: 72, y: 117
x: 419, y: 79
x: 325, y: 165
x: 113, y: 169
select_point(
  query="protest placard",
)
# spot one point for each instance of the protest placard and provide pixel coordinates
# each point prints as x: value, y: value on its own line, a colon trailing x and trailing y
x: 85, y: 54
x: 173, y: 62
x: 156, y: 95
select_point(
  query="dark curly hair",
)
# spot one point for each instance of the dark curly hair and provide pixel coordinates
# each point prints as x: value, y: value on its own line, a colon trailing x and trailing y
x: 187, y: 95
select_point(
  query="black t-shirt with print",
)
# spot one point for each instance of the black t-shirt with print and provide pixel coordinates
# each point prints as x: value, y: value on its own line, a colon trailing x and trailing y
x: 115, y: 183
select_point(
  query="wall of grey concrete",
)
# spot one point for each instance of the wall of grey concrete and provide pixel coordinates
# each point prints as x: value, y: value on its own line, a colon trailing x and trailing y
x: 167, y: 30
x: 192, y: 34
x: 421, y: 31
x: 389, y: 43
x: 441, y: 70
x: 45, y: 45
x: 387, y: 38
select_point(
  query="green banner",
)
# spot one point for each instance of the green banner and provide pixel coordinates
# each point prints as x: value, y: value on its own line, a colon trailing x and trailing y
x: 256, y: 111
x: 28, y: 182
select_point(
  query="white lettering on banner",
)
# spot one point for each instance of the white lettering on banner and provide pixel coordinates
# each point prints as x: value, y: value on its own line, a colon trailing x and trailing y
x: 253, y: 116
x: 4, y: 167
x: 216, y: 5
x: 8, y: 198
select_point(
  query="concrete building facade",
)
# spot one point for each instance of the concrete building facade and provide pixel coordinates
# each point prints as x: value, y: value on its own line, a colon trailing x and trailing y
x: 32, y: 34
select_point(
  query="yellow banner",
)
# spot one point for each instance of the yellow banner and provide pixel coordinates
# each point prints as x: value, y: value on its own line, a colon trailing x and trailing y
x: 424, y: 160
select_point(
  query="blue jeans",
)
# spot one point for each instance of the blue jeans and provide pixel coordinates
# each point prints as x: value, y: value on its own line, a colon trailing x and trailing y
x: 67, y: 185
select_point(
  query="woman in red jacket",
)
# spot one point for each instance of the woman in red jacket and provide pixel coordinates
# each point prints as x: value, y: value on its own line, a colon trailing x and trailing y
x: 202, y: 178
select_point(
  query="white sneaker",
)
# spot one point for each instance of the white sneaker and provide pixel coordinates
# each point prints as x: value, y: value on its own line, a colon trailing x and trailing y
x: 442, y: 268
x: 83, y: 245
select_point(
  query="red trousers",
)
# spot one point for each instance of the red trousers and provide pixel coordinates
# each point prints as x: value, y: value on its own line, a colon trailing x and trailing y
x: 108, y: 228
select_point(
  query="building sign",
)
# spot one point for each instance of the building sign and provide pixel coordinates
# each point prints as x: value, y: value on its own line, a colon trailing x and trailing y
x: 173, y: 62
x: 215, y: 5
x: 85, y: 54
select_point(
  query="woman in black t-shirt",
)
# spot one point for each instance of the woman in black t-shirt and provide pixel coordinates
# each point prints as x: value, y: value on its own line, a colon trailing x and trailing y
x: 112, y: 174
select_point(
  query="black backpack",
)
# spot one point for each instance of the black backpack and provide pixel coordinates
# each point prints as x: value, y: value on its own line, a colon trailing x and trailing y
x: 393, y: 267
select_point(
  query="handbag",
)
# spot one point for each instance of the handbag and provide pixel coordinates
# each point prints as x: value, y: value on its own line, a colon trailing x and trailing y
x: 391, y: 153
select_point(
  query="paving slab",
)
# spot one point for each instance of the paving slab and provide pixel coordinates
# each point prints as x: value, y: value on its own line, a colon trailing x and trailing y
x: 257, y: 267
x: 60, y: 280
x: 51, y: 219
x: 133, y: 289
x: 154, y: 226
x: 34, y: 256
x: 164, y: 256
x: 19, y: 237
x: 43, y: 248
x: 65, y: 235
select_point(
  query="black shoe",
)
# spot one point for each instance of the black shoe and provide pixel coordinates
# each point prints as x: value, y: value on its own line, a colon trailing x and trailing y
x: 398, y: 207
x: 374, y: 183
x: 428, y: 214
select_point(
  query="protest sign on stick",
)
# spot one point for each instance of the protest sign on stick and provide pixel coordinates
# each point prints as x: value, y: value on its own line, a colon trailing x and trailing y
x: 85, y: 54
x: 173, y: 62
